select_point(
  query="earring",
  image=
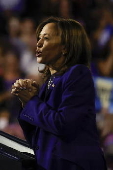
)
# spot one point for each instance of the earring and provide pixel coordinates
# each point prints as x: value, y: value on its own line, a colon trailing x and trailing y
x: 63, y: 53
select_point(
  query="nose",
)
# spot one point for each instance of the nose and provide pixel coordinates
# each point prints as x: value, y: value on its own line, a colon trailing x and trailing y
x: 40, y: 43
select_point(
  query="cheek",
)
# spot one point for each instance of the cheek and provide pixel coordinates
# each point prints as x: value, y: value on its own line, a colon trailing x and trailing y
x: 51, y: 51
x: 52, y: 47
x: 54, y: 50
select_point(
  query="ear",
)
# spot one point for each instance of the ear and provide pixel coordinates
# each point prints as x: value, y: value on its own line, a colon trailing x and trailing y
x: 64, y: 50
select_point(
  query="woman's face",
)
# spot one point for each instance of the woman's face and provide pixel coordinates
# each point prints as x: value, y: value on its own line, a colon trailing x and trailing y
x: 49, y: 48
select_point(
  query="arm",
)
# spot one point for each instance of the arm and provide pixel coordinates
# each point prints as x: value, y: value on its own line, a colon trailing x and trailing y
x: 25, y: 89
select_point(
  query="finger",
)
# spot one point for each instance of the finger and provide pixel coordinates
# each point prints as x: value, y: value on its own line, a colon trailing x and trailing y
x: 16, y: 85
x: 29, y: 82
x: 14, y: 89
x: 34, y: 83
x: 14, y: 93
x: 22, y: 82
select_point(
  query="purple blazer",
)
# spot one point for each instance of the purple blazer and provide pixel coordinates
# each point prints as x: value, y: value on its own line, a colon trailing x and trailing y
x: 60, y: 123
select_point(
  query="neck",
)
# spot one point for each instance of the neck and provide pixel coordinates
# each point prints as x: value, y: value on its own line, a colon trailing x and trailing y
x: 52, y: 71
x: 56, y: 66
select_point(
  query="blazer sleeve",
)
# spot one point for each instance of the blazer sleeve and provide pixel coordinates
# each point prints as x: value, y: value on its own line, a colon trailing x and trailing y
x: 73, y: 113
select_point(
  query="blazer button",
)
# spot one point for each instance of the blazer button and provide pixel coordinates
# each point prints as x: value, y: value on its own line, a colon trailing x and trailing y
x: 37, y: 147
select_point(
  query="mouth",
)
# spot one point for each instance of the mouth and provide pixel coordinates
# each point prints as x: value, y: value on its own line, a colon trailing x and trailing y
x: 38, y: 53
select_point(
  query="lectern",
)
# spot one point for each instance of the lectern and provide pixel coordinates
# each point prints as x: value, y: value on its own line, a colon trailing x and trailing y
x: 15, y: 154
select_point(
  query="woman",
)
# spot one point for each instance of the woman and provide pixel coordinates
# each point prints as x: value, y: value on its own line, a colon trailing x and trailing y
x: 58, y: 119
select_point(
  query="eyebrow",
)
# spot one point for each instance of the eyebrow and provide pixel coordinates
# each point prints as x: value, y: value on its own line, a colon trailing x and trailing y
x: 44, y: 34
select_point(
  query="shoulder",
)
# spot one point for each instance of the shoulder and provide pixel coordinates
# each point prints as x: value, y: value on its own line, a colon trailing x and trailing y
x: 78, y: 79
x: 77, y: 76
x: 77, y: 70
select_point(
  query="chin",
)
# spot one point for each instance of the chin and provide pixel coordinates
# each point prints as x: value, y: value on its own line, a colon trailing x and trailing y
x: 39, y: 60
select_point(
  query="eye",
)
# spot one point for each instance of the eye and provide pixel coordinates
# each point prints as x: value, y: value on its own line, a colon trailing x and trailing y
x: 46, y: 38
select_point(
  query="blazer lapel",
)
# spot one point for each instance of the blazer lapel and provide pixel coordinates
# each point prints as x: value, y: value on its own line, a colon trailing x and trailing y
x: 45, y: 92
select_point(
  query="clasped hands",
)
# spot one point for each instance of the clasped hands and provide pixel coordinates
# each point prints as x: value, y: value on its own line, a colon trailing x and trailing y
x: 25, y: 89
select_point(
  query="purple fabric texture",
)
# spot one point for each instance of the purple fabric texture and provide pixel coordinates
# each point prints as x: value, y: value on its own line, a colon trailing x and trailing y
x: 60, y: 124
